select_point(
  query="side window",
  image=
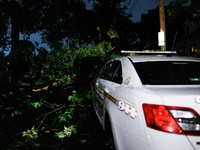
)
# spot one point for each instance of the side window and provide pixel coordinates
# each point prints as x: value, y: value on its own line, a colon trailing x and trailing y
x: 112, y: 72
x: 103, y: 73
x: 118, y: 75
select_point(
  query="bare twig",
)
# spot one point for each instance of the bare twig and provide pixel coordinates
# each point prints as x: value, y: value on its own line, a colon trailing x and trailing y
x: 45, y: 114
x: 47, y: 104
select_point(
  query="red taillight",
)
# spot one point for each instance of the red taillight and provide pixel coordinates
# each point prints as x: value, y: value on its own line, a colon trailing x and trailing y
x: 187, y: 118
x: 159, y: 118
x: 172, y: 119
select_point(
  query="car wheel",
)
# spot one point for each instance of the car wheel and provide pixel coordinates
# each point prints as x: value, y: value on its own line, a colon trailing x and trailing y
x: 108, y: 136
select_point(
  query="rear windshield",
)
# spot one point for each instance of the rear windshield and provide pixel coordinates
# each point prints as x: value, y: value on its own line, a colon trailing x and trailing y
x: 168, y: 72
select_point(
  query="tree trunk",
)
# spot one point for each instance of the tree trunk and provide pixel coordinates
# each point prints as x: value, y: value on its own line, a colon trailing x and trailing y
x: 14, y: 41
x: 15, y: 55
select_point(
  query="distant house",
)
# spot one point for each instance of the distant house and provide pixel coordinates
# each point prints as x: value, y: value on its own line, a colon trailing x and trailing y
x: 190, y: 43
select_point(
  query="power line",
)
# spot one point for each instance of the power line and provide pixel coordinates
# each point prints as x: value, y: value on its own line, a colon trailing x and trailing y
x: 125, y: 2
x: 133, y: 5
x: 128, y: 3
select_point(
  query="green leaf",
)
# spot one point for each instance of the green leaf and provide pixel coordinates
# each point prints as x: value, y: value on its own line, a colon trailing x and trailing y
x: 70, y: 98
x: 36, y: 104
x: 63, y: 119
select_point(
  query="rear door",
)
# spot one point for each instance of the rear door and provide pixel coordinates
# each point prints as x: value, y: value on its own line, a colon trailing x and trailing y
x: 109, y: 75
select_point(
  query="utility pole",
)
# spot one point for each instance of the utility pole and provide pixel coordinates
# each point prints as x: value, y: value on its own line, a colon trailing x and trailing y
x: 162, y: 23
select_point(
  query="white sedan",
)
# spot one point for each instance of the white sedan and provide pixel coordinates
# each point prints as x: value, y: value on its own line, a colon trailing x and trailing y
x: 149, y: 102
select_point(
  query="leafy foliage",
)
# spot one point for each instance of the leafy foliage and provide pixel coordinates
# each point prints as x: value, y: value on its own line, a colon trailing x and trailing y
x: 184, y: 7
x: 66, y: 132
x: 30, y: 134
x: 46, y: 99
x: 112, y: 33
x: 112, y: 13
x: 177, y: 7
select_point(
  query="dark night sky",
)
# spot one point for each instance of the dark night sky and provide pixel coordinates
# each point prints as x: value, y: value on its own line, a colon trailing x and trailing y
x: 141, y: 7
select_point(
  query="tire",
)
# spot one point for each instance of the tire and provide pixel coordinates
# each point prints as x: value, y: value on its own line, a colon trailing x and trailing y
x: 108, y: 136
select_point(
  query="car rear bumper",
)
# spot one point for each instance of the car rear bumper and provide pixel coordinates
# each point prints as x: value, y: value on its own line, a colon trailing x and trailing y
x: 157, y: 141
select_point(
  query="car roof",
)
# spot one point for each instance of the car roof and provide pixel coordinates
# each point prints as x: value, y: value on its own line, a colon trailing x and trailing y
x: 145, y: 58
